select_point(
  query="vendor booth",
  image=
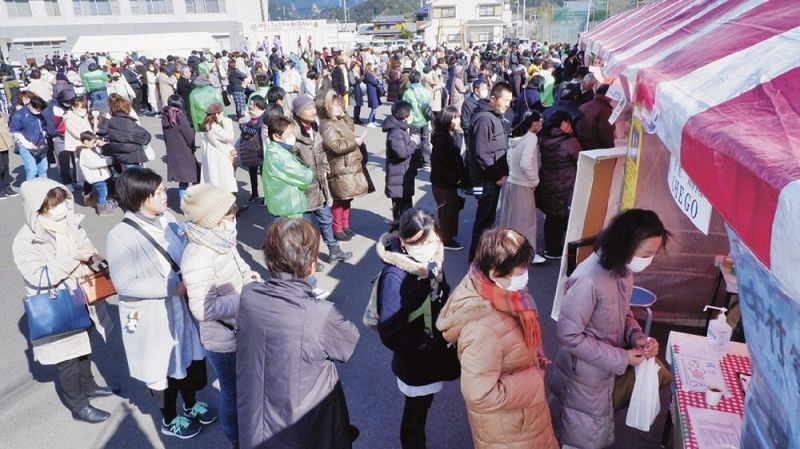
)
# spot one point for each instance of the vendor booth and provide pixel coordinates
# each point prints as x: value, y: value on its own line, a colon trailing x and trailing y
x: 713, y: 87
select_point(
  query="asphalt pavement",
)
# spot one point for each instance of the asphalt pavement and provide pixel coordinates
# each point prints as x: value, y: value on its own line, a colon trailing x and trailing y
x: 33, y: 416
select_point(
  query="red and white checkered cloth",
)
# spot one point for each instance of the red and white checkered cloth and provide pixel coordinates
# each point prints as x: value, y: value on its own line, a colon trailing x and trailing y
x: 733, y: 403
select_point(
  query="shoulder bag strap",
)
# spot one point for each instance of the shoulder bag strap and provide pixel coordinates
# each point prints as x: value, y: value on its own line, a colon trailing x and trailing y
x: 175, y: 267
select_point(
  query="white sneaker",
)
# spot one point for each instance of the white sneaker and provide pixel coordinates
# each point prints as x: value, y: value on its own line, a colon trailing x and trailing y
x: 69, y: 187
x: 321, y: 293
x: 537, y: 259
x: 372, y: 125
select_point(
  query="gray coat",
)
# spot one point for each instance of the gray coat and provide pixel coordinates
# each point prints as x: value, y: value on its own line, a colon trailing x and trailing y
x: 594, y: 329
x: 286, y: 352
x: 165, y: 339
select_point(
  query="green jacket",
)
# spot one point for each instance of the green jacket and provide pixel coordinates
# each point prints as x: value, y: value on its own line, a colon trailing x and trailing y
x: 420, y: 100
x: 549, y: 85
x: 94, y: 80
x: 200, y: 99
x: 284, y: 179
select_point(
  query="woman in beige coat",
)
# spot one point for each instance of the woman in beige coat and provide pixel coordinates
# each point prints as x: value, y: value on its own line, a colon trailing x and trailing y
x: 493, y: 321
x: 53, y: 240
x: 214, y: 274
x: 166, y: 85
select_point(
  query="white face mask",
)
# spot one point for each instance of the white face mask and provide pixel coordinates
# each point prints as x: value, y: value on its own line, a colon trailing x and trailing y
x: 483, y: 94
x: 423, y: 253
x: 638, y: 264
x: 291, y: 140
x: 517, y: 283
x: 59, y: 212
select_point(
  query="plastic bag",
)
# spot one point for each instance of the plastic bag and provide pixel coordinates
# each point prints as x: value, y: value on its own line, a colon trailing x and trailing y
x: 645, y: 401
x: 149, y: 153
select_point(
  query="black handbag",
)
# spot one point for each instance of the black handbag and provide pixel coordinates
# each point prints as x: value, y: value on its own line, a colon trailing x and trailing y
x: 54, y: 311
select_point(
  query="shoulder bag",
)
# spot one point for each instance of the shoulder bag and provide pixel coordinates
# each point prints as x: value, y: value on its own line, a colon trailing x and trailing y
x: 97, y: 286
x: 175, y: 267
x: 54, y: 311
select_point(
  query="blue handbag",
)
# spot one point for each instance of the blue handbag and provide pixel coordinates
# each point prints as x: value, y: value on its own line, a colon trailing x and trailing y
x: 54, y: 311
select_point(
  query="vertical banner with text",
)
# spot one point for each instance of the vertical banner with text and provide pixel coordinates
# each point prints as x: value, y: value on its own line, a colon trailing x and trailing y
x: 632, y: 164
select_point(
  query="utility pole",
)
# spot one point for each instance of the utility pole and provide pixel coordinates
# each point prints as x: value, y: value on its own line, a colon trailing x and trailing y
x: 345, y: 11
x: 588, y: 15
x: 524, y: 4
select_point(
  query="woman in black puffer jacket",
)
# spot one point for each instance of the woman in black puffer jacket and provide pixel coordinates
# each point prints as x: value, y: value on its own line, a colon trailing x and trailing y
x: 447, y: 172
x: 401, y: 158
x: 126, y: 138
x: 560, y: 149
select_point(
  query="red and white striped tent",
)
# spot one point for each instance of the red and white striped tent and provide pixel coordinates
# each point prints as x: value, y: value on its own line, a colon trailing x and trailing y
x: 723, y: 79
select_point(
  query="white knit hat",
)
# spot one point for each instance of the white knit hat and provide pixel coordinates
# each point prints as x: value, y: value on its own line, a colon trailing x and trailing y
x: 206, y: 204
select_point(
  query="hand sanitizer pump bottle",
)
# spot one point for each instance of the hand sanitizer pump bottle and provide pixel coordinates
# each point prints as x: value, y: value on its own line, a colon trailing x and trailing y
x: 719, y: 332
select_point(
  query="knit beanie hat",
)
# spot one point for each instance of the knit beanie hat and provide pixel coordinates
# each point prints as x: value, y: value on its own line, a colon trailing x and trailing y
x: 206, y: 204
x: 301, y: 102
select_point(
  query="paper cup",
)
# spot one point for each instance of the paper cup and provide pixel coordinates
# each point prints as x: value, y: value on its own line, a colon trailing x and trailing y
x: 713, y: 395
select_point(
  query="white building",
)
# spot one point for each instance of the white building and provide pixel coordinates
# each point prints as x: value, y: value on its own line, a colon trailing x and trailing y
x: 30, y: 29
x: 458, y: 22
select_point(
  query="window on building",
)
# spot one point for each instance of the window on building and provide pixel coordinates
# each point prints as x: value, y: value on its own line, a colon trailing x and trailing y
x: 481, y: 36
x: 95, y: 7
x: 490, y: 10
x: 52, y: 7
x: 151, y: 7
x: 444, y: 13
x: 205, y: 6
x: 18, y: 8
x: 454, y: 38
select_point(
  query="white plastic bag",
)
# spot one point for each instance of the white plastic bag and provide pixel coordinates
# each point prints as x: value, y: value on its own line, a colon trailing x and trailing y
x: 149, y: 153
x: 645, y: 401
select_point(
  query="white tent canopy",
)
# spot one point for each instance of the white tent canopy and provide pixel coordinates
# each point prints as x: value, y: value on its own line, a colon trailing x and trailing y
x: 153, y: 45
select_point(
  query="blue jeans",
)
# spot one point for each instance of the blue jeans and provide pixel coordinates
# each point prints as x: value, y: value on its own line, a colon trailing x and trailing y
x: 100, y: 190
x: 182, y: 186
x: 98, y: 96
x: 371, y: 118
x: 35, y: 166
x: 224, y: 363
x: 276, y: 79
x: 324, y: 219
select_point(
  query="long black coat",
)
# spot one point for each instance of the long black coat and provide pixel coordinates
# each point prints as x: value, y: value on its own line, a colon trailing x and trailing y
x: 126, y: 139
x: 559, y: 153
x: 447, y: 166
x: 356, y: 89
x: 393, y: 86
x: 179, y: 139
x: 401, y: 169
x: 337, y: 80
x: 373, y: 99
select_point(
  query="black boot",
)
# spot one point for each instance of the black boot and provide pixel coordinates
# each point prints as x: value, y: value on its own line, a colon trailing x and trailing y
x: 335, y: 253
x: 342, y: 236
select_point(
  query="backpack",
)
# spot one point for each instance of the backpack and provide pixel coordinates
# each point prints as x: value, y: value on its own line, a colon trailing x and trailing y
x: 371, y: 316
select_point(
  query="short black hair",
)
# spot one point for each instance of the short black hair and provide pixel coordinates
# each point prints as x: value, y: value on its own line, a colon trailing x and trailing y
x: 87, y: 136
x: 259, y: 102
x: 175, y: 101
x: 262, y: 80
x: 414, y: 77
x: 444, y: 119
x: 499, y: 88
x: 38, y: 103
x: 35, y: 74
x: 603, y: 89
x: 277, y: 126
x: 480, y: 81
x: 557, y: 118
x: 401, y: 109
x: 416, y: 221
x: 618, y: 242
x: 274, y: 94
x: 272, y: 110
x: 135, y: 186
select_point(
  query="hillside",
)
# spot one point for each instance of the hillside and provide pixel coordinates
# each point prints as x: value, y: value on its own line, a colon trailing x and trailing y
x: 367, y: 10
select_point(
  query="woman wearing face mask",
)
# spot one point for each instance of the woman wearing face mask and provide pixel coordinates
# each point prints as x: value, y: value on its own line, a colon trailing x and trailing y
x: 412, y: 291
x: 214, y: 274
x: 401, y: 163
x: 284, y: 175
x: 161, y: 340
x: 597, y: 333
x: 217, y: 153
x: 53, y: 243
x: 494, y: 322
x: 76, y: 121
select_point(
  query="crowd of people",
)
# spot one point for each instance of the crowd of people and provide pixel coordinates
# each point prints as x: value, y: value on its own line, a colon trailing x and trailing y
x: 483, y: 120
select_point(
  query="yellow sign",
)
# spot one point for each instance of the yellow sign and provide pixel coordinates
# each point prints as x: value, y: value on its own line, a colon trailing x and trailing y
x: 632, y: 164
